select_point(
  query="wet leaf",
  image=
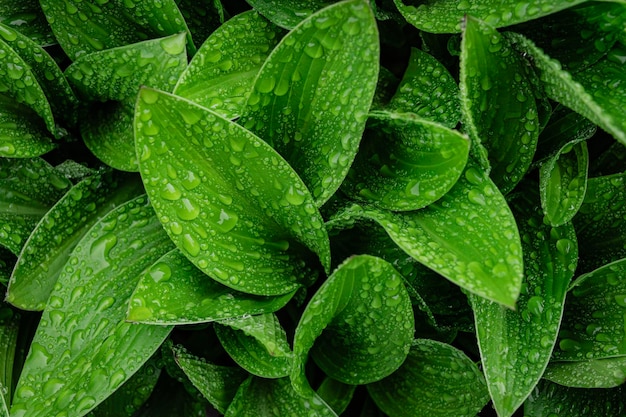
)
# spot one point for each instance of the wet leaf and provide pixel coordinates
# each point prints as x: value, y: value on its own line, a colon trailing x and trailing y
x: 218, y: 384
x: 336, y: 394
x: 288, y: 14
x: 84, y: 27
x: 170, y: 398
x: 258, y: 397
x: 221, y: 74
x: 498, y: 106
x: 445, y: 16
x: 515, y: 345
x: 48, y: 247
x: 311, y: 97
x: 202, y: 17
x: 174, y: 291
x: 256, y: 343
x: 591, y: 373
x: 405, y: 162
x: 563, y: 182
x: 23, y: 134
x: 362, y: 311
x: 563, y: 127
x: 9, y: 327
x: 27, y: 17
x: 7, y: 263
x: 83, y: 349
x: 207, y: 176
x: 428, y: 90
x: 435, y: 380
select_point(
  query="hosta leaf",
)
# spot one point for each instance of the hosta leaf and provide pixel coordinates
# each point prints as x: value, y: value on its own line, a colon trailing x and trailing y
x: 257, y: 343
x: 27, y: 17
x: 469, y: 236
x: 515, y: 345
x: 288, y: 13
x: 593, y: 322
x: 563, y: 127
x: 435, y: 380
x: 23, y: 134
x: 497, y: 102
x: 207, y: 176
x: 362, y: 312
x: 83, y: 349
x: 29, y: 187
x: 47, y: 249
x: 591, y: 373
x: 311, y: 97
x: 83, y: 27
x: 218, y: 384
x: 563, y: 182
x: 428, y: 90
x: 405, y: 162
x: 444, y: 16
x: 9, y: 327
x: 258, y: 397
x: 336, y: 394
x: 221, y: 74
x: 174, y: 291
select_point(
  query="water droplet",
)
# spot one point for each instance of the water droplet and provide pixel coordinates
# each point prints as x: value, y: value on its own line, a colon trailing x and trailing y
x: 314, y: 49
x: 169, y: 192
x: 101, y: 248
x: 187, y: 210
x: 227, y: 221
x: 174, y: 45
x: 191, y: 245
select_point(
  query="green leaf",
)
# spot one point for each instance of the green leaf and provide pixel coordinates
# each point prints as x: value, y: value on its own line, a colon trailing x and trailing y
x: 288, y: 14
x: 83, y: 349
x: 256, y: 343
x: 593, y: 322
x: 202, y: 17
x: 258, y: 397
x: 362, y: 312
x: 591, y: 373
x: 469, y: 236
x: 27, y: 17
x: 207, y: 176
x: 7, y: 263
x: 515, y: 345
x: 218, y: 384
x: 173, y: 291
x: 9, y: 327
x: 29, y: 187
x: 435, y: 380
x: 221, y: 74
x: 445, y: 16
x: 428, y: 90
x: 83, y: 27
x: 563, y: 182
x: 498, y: 105
x: 336, y: 394
x: 563, y: 127
x: 48, y: 247
x: 406, y: 163
x: 312, y: 95
x: 23, y: 134
x: 170, y: 398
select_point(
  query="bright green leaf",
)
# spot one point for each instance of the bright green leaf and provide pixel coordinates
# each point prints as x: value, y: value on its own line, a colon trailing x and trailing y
x: 221, y: 74
x: 436, y: 380
x: 47, y: 249
x: 405, y: 162
x: 336, y: 394
x: 174, y: 291
x: 288, y: 13
x: 207, y: 176
x: 23, y: 134
x: 590, y: 373
x: 27, y: 17
x: 83, y: 349
x: 312, y: 95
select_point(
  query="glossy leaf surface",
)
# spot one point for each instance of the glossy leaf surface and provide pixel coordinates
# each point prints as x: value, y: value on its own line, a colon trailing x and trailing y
x: 83, y: 349
x: 9, y: 328
x: 288, y: 13
x: 590, y: 373
x: 321, y: 77
x: 174, y: 291
x: 336, y: 394
x: 564, y: 126
x: 27, y: 17
x: 207, y: 176
x: 23, y: 134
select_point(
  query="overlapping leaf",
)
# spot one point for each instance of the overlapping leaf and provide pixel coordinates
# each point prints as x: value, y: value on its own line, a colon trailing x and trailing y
x: 563, y: 127
x: 336, y: 394
x: 23, y: 134
x: 590, y: 373
x: 231, y: 204
x: 311, y: 97
x: 9, y: 327
x: 27, y: 17
x: 288, y: 13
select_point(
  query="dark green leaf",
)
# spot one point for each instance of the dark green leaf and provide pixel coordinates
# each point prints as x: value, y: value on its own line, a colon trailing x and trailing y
x: 611, y: 161
x: 23, y: 134
x: 336, y: 394
x: 207, y: 176
x: 563, y: 127
x: 515, y: 345
x: 591, y: 373
x: 435, y: 380
x: 174, y: 291
x: 27, y: 17
x: 406, y: 163
x: 362, y: 312
x: 47, y: 249
x: 221, y: 74
x: 428, y: 90
x: 257, y: 343
x: 9, y: 327
x: 288, y: 13
x: 311, y: 97
x: 170, y: 398
x: 202, y: 17
x: 83, y: 349
x: 7, y: 263
x: 498, y: 105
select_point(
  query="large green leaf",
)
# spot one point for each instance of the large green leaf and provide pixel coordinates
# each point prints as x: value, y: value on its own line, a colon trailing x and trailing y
x: 175, y: 291
x: 515, y: 345
x: 288, y: 13
x: 405, y: 162
x: 590, y: 373
x: 47, y: 249
x: 436, y: 380
x: 231, y: 204
x: 221, y: 74
x: 498, y: 105
x: 27, y: 17
x: 311, y: 97
x: 336, y: 394
x: 83, y: 349
x: 23, y: 134
x: 362, y: 312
